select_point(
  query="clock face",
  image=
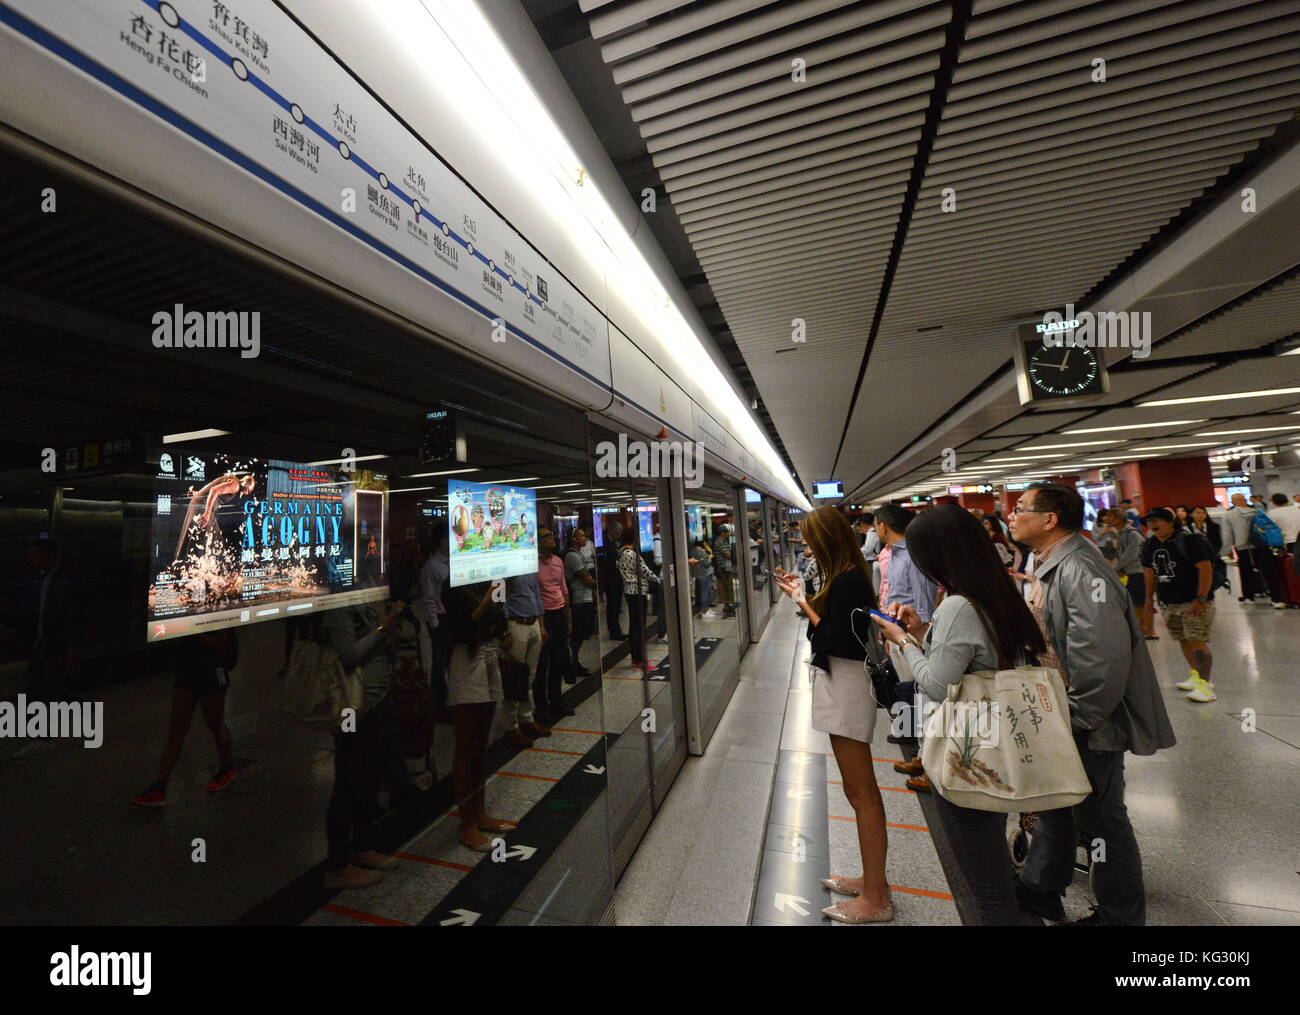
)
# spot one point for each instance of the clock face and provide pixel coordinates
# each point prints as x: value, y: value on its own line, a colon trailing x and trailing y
x: 1064, y: 372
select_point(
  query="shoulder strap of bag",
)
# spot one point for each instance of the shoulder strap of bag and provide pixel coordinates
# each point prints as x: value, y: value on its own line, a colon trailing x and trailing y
x: 1003, y: 662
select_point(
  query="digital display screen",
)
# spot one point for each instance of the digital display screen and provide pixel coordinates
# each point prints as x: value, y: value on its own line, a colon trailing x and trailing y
x: 828, y: 489
x: 697, y: 522
x: 752, y: 496
x: 241, y: 540
x: 645, y: 520
x: 492, y: 531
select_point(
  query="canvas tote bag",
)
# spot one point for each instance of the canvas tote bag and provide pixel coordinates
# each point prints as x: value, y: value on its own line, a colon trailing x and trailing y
x: 1002, y: 741
x: 316, y: 687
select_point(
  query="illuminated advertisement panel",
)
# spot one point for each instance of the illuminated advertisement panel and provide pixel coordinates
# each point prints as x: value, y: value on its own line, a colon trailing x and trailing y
x: 241, y: 540
x: 492, y: 531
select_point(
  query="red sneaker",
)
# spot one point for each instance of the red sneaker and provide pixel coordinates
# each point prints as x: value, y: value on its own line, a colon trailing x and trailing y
x: 152, y: 797
x: 221, y: 780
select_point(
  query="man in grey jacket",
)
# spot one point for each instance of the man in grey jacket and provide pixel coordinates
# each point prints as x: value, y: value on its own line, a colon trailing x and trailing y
x: 1093, y: 636
x: 1237, y: 522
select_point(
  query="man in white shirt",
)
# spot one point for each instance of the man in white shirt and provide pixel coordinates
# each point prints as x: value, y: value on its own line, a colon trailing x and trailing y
x: 1287, y: 518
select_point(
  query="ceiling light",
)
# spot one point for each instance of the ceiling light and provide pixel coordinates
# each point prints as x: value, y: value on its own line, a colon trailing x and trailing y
x: 1133, y: 426
x: 1222, y: 398
x: 521, y: 479
x: 1178, y: 447
x: 1019, y: 458
x: 1257, y: 429
x: 1076, y: 444
x: 194, y: 435
x: 445, y: 472
x: 354, y: 458
x: 555, y: 486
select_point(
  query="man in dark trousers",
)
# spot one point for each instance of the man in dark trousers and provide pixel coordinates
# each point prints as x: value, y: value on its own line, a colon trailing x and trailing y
x: 55, y: 655
x: 1094, y: 638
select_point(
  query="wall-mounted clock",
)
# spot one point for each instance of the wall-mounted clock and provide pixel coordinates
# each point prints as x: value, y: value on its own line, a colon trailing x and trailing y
x: 1061, y: 375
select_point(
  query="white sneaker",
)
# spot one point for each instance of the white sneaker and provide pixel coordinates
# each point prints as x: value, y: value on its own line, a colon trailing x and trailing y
x: 1189, y: 684
x: 1203, y: 692
x: 1279, y: 606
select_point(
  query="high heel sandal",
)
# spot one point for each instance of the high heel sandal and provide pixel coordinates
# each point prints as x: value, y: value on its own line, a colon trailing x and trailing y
x: 885, y: 915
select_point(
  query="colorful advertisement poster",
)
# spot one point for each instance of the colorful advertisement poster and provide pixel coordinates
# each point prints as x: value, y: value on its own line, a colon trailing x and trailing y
x: 239, y: 540
x: 492, y: 529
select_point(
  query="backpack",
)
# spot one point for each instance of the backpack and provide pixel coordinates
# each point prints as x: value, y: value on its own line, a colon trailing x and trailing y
x: 1220, y: 567
x: 1264, y: 533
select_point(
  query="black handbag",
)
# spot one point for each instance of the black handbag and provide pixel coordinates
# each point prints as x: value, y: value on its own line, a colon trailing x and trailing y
x: 884, y: 678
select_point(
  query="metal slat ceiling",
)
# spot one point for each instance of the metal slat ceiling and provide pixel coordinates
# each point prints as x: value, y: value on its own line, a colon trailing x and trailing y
x: 793, y: 196
x: 789, y: 193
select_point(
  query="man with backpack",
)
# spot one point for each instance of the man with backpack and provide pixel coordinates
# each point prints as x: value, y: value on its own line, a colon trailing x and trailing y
x: 1253, y: 534
x: 1179, y: 567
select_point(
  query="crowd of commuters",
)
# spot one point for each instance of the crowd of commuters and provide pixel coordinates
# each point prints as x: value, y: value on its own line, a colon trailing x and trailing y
x: 970, y: 593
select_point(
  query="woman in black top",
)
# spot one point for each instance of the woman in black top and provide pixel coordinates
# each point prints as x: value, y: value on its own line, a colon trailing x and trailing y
x: 844, y: 706
x: 1206, y: 526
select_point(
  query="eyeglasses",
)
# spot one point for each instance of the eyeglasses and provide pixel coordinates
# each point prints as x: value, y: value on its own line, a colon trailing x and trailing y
x: 1020, y: 510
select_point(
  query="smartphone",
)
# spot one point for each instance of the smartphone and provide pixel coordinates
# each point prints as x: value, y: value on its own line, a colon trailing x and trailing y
x: 887, y: 617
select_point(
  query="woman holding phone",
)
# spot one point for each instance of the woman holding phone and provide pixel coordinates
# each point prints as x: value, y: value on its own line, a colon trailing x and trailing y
x: 843, y: 703
x: 982, y: 624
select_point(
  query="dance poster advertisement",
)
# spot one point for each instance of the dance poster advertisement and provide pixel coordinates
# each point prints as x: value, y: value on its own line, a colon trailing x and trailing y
x: 236, y: 541
x: 493, y: 531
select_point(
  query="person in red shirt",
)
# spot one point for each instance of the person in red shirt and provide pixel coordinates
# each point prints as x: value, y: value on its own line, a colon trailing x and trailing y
x: 554, y: 662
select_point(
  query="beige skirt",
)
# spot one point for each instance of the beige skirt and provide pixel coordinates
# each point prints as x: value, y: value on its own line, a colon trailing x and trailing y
x: 474, y: 678
x: 843, y: 701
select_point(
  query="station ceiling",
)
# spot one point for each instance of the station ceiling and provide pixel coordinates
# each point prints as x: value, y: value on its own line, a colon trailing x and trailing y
x: 912, y: 179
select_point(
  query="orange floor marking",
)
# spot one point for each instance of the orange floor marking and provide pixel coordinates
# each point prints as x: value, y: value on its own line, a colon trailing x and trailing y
x: 521, y: 775
x: 607, y: 677
x: 921, y: 891
x: 889, y: 824
x: 552, y: 750
x: 356, y: 914
x: 430, y: 860
x: 561, y: 729
x: 882, y: 761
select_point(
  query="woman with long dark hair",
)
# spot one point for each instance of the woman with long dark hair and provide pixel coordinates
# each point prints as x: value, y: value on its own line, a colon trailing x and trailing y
x: 843, y: 703
x: 982, y: 624
x: 1203, y: 524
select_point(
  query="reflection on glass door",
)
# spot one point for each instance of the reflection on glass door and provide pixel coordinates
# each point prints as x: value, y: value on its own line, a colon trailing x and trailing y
x: 644, y: 719
x: 717, y: 630
x: 756, y: 543
x: 773, y: 543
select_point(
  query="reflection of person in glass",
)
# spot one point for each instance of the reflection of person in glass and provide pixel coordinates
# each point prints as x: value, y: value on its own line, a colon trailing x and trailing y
x: 475, y: 624
x: 637, y: 580
x: 203, y: 664
x: 210, y: 496
x: 363, y: 640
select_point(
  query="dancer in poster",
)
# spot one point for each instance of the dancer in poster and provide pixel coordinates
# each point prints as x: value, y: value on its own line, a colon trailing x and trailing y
x: 232, y: 484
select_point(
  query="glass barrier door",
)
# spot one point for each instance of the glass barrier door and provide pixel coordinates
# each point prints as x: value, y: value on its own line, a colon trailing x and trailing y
x: 753, y: 547
x: 644, y: 720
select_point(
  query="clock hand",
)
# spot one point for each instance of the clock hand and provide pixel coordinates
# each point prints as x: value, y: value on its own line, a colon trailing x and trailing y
x: 1065, y: 361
